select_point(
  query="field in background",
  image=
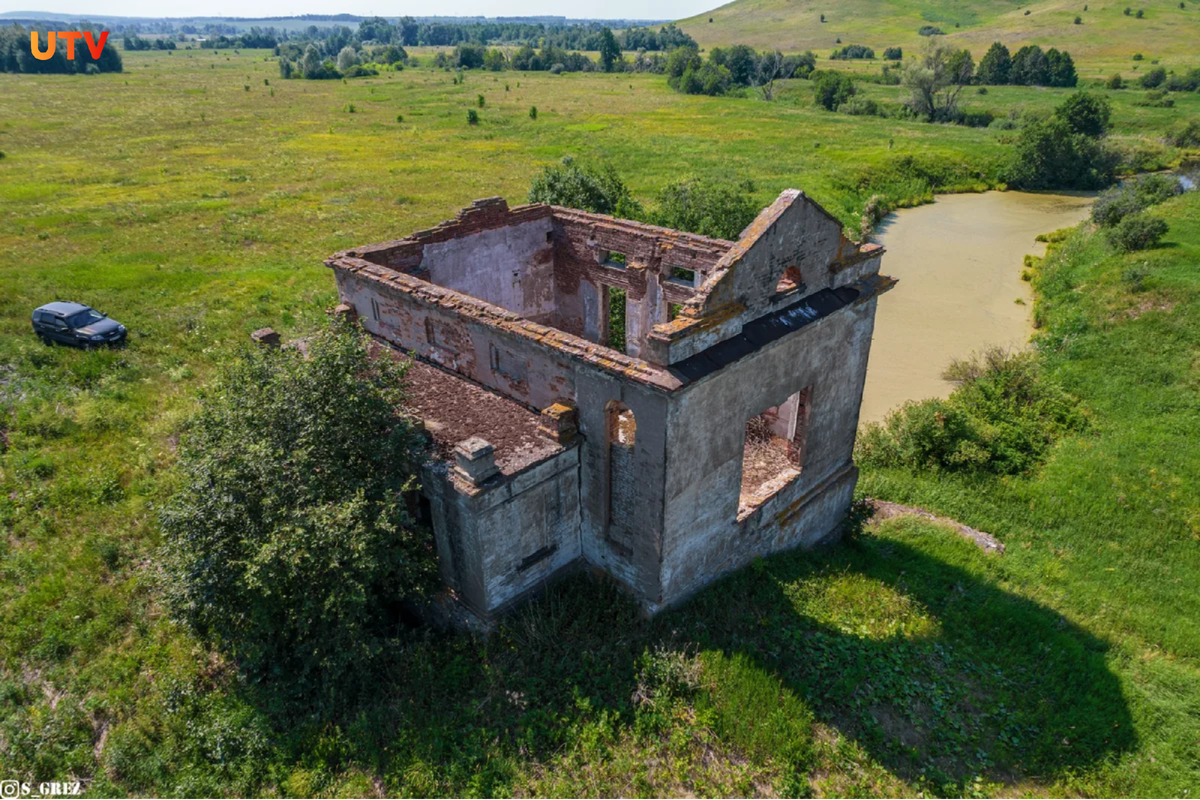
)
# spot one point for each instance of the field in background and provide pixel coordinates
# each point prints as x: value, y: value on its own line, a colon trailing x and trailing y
x: 1105, y: 40
x: 194, y: 197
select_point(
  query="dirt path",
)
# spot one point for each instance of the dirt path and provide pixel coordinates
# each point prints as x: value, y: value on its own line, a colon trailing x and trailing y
x: 985, y: 541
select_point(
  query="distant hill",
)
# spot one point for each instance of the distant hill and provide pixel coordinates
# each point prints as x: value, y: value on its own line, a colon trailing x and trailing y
x: 1105, y: 35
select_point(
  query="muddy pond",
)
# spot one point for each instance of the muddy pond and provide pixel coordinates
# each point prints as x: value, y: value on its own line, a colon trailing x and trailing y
x: 959, y: 263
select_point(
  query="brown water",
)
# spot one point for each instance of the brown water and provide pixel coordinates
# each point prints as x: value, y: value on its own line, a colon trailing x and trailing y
x: 959, y: 263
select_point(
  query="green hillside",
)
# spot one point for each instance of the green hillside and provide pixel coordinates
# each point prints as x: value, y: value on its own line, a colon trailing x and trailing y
x: 1106, y: 36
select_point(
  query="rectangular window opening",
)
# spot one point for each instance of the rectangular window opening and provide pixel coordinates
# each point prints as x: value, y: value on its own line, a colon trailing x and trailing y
x: 615, y: 260
x: 685, y: 277
x: 774, y: 451
x: 616, y: 319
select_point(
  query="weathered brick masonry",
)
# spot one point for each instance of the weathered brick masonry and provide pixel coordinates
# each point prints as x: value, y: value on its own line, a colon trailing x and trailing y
x: 553, y: 449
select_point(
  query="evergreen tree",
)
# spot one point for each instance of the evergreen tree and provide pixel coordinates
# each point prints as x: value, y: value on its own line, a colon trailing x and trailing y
x: 995, y: 66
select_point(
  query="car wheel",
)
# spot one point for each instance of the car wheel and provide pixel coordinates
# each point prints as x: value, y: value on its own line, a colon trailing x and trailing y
x: 46, y: 340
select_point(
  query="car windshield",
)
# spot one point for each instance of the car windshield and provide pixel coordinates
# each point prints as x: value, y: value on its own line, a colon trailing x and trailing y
x: 84, y: 318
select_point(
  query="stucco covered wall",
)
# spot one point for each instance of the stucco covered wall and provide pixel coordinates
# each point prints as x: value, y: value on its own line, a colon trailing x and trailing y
x: 702, y: 536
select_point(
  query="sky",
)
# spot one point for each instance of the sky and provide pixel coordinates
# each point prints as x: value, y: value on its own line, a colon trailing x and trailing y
x: 595, y: 9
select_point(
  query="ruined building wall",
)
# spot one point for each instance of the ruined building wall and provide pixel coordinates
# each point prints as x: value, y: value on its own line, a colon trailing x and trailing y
x: 703, y: 536
x: 588, y: 255
x: 531, y: 364
x: 511, y: 266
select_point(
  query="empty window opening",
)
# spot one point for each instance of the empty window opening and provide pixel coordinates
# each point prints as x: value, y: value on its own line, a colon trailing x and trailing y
x: 615, y: 259
x: 621, y: 433
x: 774, y: 451
x: 686, y: 277
x: 674, y: 310
x: 790, y: 282
x: 616, y: 338
x: 374, y: 309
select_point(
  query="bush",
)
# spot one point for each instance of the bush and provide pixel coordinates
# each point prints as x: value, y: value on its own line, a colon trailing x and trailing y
x: 893, y: 53
x: 852, y: 51
x: 930, y: 30
x: 1138, y: 231
x: 288, y: 543
x: 472, y: 116
x: 1155, y: 99
x: 831, y: 89
x: 710, y: 208
x: 1002, y: 418
x: 859, y: 106
x: 533, y: 112
x: 1154, y: 78
x: 1086, y: 113
x: 1115, y: 82
x: 1185, y: 134
x: 1063, y: 151
x: 596, y: 189
x: 1132, y: 196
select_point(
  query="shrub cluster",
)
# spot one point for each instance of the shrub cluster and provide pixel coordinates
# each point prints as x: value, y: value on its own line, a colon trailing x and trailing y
x: 1138, y: 231
x: 1132, y: 196
x: 852, y: 51
x: 717, y: 208
x: 730, y: 68
x: 1002, y: 418
x: 288, y: 543
x: 1066, y: 150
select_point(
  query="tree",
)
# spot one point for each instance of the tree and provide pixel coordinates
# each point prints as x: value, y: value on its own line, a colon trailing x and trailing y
x: 1060, y: 68
x: 709, y: 208
x: 832, y: 89
x: 288, y: 543
x: 1029, y: 67
x: 995, y: 65
x: 1050, y: 154
x: 936, y: 79
x: 596, y: 189
x: 610, y: 51
x: 347, y: 59
x: 770, y: 68
x: 1086, y: 113
x: 310, y: 63
x: 893, y: 53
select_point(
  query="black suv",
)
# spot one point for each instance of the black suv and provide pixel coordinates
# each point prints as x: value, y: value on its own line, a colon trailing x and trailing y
x: 77, y: 324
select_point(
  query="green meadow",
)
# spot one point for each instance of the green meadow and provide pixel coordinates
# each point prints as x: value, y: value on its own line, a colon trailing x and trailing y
x: 193, y: 198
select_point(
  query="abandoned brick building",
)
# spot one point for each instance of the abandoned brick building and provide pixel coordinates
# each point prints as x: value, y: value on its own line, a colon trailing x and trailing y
x: 716, y: 427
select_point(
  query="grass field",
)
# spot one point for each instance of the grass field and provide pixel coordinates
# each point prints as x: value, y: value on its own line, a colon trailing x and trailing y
x: 193, y: 198
x: 1105, y: 41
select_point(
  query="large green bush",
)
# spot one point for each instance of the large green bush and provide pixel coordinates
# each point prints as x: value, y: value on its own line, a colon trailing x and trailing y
x: 1138, y: 231
x: 1065, y: 151
x: 591, y: 188
x: 288, y: 543
x: 707, y: 207
x: 1132, y: 196
x: 1002, y: 418
x: 831, y: 89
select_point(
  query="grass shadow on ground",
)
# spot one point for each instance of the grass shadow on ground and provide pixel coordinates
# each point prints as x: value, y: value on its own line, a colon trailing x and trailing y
x: 934, y: 673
